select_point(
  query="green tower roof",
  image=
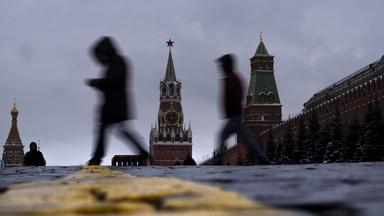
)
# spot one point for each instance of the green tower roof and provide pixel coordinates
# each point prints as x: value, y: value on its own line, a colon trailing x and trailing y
x: 170, y: 74
x: 262, y: 86
x: 263, y: 89
x: 261, y: 50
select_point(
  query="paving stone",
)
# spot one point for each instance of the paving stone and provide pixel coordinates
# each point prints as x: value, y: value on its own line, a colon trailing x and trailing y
x: 96, y: 190
x: 320, y: 189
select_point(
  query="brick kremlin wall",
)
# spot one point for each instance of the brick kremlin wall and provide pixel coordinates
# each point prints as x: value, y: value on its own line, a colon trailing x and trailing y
x: 350, y: 96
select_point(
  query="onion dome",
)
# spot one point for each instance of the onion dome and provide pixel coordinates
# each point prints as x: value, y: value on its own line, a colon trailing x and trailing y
x: 14, y: 110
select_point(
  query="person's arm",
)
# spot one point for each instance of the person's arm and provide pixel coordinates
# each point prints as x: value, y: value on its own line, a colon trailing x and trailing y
x: 113, y: 78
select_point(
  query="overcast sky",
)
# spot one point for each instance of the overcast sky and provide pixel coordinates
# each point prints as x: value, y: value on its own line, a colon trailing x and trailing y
x: 44, y: 59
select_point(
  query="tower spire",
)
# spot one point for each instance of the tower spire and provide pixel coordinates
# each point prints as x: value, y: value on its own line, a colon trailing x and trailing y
x: 170, y: 74
x: 14, y: 112
x: 261, y: 50
x: 170, y: 141
x: 262, y: 86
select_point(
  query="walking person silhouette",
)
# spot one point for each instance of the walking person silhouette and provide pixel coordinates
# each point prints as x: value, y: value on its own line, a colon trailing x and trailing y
x: 116, y: 104
x: 232, y: 103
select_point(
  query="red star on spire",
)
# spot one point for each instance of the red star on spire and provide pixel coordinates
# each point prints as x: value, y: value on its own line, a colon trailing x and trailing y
x: 170, y: 43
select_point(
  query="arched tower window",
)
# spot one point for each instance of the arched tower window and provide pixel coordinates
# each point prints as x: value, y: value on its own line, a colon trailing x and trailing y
x: 260, y: 116
x: 171, y: 90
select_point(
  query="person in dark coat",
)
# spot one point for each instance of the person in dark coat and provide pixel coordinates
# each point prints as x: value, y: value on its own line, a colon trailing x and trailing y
x: 116, y: 106
x: 189, y: 161
x: 233, y: 110
x: 34, y: 157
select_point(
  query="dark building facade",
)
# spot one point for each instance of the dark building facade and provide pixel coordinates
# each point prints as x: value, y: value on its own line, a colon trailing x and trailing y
x: 170, y: 142
x: 13, y: 153
x: 128, y: 160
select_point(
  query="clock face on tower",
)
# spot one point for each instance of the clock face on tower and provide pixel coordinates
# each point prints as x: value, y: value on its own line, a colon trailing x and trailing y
x: 171, y: 117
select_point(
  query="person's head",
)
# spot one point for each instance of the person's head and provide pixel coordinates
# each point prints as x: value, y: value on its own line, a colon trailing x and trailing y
x: 226, y: 63
x: 33, y: 146
x: 104, y: 50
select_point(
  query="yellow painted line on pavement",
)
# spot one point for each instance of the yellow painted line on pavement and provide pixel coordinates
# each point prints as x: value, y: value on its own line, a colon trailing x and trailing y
x: 97, y: 190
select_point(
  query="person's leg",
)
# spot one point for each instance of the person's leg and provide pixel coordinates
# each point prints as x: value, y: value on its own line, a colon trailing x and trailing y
x: 133, y: 137
x: 246, y: 138
x: 98, y: 153
x: 227, y: 130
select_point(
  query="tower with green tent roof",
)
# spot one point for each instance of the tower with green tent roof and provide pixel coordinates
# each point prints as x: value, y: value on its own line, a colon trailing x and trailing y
x: 262, y: 107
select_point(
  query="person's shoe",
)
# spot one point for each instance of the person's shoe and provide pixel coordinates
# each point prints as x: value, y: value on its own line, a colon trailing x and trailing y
x: 94, y: 162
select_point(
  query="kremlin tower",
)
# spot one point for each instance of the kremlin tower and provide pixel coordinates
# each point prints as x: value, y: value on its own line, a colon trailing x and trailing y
x: 170, y: 142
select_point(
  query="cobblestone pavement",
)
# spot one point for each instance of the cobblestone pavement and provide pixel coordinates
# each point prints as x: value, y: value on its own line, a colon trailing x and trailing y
x: 323, y: 189
x: 97, y: 190
x: 320, y: 189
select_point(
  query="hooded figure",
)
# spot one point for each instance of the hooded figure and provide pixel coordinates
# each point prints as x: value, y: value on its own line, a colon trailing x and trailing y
x: 233, y: 109
x: 232, y: 87
x: 34, y: 157
x: 114, y: 106
x: 115, y: 103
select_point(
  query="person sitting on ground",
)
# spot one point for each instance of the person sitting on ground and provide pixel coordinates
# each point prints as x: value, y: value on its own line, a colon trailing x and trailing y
x: 34, y: 157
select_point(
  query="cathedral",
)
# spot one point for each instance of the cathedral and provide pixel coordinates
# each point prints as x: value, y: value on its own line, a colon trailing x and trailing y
x: 170, y: 142
x: 13, y: 154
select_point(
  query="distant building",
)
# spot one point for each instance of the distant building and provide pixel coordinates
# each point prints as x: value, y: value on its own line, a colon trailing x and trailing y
x: 170, y: 142
x: 13, y: 153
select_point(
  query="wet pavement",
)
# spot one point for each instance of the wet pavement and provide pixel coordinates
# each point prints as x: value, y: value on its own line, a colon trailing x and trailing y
x: 98, y: 190
x: 319, y: 189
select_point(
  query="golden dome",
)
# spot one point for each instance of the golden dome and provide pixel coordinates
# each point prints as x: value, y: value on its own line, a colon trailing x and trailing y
x: 14, y: 110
